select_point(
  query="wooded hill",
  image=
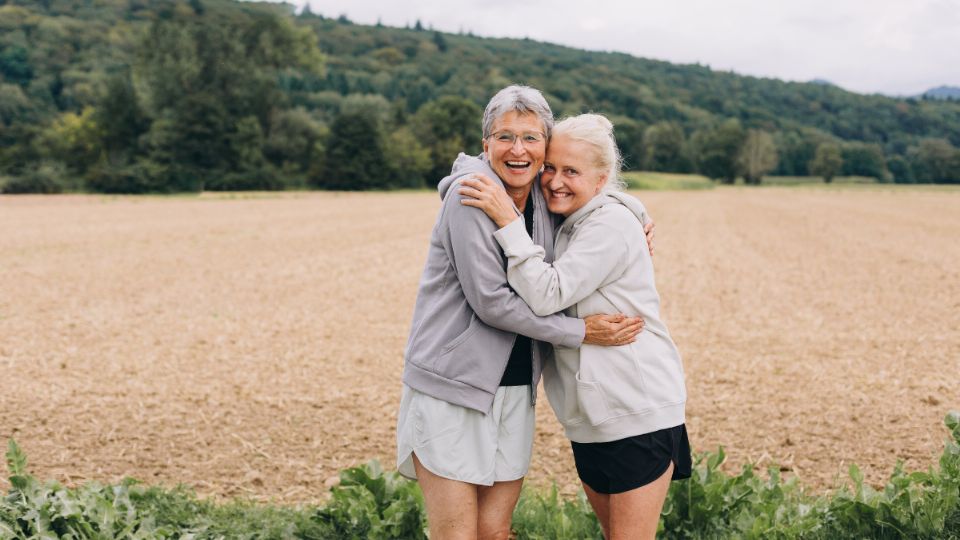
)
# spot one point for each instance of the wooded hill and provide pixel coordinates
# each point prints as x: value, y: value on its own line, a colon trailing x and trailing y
x: 174, y: 95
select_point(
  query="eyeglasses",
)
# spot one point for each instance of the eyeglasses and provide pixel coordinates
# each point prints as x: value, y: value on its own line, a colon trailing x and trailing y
x: 528, y: 139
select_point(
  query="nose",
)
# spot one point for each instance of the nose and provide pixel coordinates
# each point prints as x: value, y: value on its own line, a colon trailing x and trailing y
x: 517, y: 147
x: 553, y: 181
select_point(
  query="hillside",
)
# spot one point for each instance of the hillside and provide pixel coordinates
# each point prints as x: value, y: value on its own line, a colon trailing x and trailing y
x: 943, y: 92
x: 162, y: 67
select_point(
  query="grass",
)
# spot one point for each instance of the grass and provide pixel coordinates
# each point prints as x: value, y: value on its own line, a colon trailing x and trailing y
x: 371, y: 503
x: 815, y: 180
x: 662, y: 181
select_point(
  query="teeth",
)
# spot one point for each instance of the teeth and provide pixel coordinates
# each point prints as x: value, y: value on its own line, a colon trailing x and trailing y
x: 518, y: 163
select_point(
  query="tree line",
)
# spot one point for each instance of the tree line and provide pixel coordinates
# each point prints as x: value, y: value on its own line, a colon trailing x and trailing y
x: 133, y: 96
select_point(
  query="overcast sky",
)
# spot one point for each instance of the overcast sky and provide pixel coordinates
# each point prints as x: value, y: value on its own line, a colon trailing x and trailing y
x: 886, y: 46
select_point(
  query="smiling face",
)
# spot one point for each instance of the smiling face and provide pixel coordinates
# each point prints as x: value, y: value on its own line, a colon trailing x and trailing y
x: 516, y: 163
x: 570, y: 176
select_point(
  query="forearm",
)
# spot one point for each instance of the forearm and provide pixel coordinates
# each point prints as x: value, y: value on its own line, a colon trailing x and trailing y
x: 507, y: 311
x: 479, y: 265
x: 549, y: 288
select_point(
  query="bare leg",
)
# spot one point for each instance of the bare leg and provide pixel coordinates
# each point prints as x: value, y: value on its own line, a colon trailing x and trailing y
x: 451, y: 505
x: 636, y: 513
x: 496, y: 504
x: 601, y: 507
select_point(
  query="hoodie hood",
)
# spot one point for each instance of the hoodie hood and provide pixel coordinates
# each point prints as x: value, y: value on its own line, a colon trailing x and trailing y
x: 463, y: 166
x: 612, y: 197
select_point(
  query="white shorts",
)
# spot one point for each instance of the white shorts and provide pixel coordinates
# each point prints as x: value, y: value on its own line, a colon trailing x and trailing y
x: 463, y: 444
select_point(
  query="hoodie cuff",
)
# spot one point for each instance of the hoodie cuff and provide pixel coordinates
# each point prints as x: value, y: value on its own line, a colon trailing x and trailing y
x: 513, y: 237
x: 576, y: 331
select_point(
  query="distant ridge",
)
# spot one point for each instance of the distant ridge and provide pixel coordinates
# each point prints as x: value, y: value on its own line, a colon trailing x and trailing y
x: 943, y: 92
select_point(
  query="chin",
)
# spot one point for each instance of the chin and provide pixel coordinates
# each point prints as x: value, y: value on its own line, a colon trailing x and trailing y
x: 557, y: 208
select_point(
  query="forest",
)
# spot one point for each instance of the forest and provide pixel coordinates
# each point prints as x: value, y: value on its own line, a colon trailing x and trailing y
x: 160, y: 96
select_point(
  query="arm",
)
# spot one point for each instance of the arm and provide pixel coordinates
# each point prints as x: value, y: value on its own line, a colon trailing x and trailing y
x: 594, y: 257
x: 479, y: 265
x: 486, y: 195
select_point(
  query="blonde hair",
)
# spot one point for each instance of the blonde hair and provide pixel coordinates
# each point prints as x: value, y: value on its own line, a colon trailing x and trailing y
x: 597, y: 131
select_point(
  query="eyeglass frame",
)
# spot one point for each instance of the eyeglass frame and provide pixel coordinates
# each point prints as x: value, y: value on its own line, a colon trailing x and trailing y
x: 514, y: 137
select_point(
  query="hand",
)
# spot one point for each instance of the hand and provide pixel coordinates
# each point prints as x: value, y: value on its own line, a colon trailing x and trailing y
x: 648, y: 230
x: 611, y: 330
x: 488, y: 196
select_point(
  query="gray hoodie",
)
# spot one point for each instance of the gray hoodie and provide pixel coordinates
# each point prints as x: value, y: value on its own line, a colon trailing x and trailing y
x: 467, y: 317
x: 602, y: 266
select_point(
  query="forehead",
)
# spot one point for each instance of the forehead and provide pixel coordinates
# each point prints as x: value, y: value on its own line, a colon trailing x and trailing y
x: 564, y: 148
x: 517, y: 122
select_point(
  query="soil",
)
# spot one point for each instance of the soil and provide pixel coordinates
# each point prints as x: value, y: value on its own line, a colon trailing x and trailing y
x: 251, y: 345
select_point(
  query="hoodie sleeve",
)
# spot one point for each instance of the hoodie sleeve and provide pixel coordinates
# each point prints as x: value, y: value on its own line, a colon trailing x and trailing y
x: 480, y: 267
x: 596, y: 255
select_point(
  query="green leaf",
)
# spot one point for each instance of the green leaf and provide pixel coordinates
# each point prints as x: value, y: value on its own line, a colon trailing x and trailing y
x: 952, y: 420
x: 16, y: 459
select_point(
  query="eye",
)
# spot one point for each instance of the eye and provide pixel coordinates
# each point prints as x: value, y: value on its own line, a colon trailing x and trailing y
x: 531, y: 138
x: 571, y: 172
x: 504, y: 137
x: 548, y: 168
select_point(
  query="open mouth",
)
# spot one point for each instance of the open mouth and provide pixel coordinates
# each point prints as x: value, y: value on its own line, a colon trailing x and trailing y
x: 560, y: 194
x: 517, y: 165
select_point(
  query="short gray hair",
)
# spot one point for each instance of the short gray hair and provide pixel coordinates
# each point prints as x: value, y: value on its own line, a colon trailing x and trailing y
x: 521, y: 99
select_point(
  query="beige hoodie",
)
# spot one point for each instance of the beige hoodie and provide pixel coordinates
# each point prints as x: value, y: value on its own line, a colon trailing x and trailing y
x: 601, y: 394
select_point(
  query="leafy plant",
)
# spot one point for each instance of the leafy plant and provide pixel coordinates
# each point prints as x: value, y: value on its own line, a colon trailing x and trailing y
x: 539, y: 517
x: 370, y: 503
x: 374, y: 505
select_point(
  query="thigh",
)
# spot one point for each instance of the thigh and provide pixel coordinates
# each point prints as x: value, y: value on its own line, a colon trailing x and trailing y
x: 451, y: 505
x: 600, y: 502
x: 636, y: 513
x: 495, y: 509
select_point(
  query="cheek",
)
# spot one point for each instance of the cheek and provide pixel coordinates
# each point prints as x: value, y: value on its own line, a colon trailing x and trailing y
x: 538, y: 159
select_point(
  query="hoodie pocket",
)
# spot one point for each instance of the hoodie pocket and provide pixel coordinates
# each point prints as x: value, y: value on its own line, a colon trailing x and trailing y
x: 476, y: 357
x: 472, y: 327
x: 591, y: 401
x: 611, y: 385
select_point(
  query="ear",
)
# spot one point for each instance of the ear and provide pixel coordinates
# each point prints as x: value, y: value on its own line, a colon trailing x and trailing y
x: 486, y: 145
x: 602, y: 182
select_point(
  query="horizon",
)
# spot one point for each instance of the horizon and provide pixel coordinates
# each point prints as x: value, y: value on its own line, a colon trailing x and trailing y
x: 901, y: 51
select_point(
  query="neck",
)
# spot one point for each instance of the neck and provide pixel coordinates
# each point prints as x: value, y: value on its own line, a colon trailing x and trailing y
x: 519, y: 195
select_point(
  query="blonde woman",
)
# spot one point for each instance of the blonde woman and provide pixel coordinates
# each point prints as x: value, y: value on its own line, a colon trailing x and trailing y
x: 621, y: 407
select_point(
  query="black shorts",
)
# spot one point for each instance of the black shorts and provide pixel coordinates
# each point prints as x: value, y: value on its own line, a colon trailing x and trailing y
x: 625, y: 464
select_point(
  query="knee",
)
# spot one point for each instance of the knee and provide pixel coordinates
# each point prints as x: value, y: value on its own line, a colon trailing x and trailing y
x: 500, y: 533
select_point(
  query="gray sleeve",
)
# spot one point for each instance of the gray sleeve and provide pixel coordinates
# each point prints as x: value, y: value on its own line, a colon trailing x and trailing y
x: 481, y: 268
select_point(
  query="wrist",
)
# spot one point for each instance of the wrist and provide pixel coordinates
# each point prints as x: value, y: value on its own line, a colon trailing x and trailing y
x: 505, y: 220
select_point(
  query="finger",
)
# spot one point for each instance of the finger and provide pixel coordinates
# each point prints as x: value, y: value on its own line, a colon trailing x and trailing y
x: 484, y: 178
x: 630, y: 331
x: 634, y: 332
x: 476, y: 203
x: 470, y: 192
x: 648, y: 227
x: 615, y: 318
x: 626, y: 321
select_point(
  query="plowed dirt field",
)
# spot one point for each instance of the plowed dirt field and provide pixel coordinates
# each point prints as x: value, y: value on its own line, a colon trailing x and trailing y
x: 252, y: 345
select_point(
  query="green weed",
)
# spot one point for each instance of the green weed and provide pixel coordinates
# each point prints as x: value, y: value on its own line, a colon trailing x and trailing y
x: 371, y: 503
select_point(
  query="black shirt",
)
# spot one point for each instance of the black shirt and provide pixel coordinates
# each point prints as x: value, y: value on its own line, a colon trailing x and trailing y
x: 520, y: 367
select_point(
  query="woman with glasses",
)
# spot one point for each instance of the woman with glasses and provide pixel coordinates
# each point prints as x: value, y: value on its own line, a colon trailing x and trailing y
x: 476, y: 350
x: 621, y: 407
